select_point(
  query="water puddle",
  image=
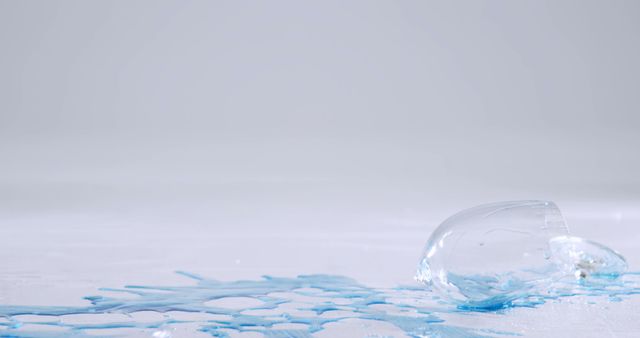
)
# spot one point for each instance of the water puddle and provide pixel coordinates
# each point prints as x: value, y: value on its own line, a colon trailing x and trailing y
x: 486, y: 259
x: 307, y: 303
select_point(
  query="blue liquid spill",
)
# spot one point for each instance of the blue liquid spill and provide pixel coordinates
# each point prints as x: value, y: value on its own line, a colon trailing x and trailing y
x: 311, y: 299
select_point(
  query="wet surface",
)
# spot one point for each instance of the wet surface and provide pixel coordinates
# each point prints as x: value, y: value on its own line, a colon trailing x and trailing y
x: 52, y: 258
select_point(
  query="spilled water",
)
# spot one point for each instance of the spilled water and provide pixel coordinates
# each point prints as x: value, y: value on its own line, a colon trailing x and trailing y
x: 269, y: 305
x: 489, y: 258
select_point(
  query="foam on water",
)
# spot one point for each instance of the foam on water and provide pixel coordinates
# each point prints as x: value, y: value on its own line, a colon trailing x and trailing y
x: 311, y: 302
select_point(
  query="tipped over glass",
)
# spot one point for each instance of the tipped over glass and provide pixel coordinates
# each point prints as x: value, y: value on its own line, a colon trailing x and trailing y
x: 491, y: 255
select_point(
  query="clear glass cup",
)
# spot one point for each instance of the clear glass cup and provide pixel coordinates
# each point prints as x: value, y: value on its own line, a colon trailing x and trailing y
x: 494, y: 253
